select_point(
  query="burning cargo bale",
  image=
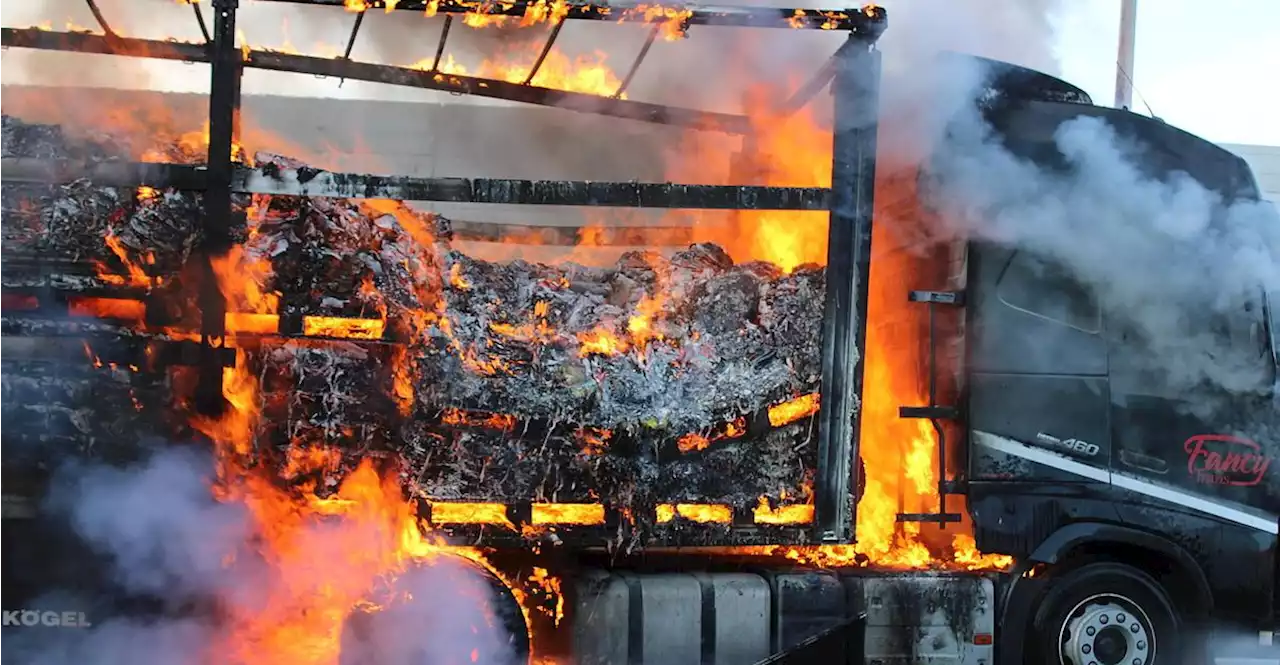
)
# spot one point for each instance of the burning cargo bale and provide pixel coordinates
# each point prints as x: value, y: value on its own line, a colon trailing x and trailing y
x: 54, y: 413
x: 512, y: 362
x: 135, y: 232
x: 674, y: 346
x: 655, y: 380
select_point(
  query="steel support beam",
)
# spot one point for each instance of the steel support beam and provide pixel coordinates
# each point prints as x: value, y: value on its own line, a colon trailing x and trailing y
x: 97, y: 16
x: 546, y: 50
x: 351, y: 41
x: 855, y: 89
x: 314, y: 182
x: 224, y: 107
x: 103, y: 174
x: 635, y: 64
x: 270, y: 179
x: 204, y: 28
x: 403, y: 76
x: 805, y: 93
x: 444, y: 39
x: 868, y: 22
x: 1125, y: 57
x: 496, y: 89
x: 84, y: 42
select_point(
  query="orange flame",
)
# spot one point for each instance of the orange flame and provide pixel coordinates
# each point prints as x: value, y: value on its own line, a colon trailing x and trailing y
x: 137, y: 276
x: 694, y: 512
x: 692, y: 443
x: 568, y: 513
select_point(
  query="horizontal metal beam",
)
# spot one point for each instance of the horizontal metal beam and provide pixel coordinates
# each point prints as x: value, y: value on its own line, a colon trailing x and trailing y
x: 496, y: 89
x: 869, y: 20
x: 87, y: 42
x: 32, y: 340
x: 105, y: 174
x: 572, y: 236
x: 314, y: 182
x: 401, y: 76
x: 271, y: 179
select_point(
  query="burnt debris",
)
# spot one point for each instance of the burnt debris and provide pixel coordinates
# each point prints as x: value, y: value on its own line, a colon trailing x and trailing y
x: 649, y: 381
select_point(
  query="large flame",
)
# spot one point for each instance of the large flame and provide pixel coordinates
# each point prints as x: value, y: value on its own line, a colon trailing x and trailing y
x: 900, y: 454
x: 325, y: 555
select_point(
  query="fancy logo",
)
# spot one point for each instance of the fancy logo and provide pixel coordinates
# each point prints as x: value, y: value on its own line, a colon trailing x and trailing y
x: 47, y: 618
x: 1219, y: 459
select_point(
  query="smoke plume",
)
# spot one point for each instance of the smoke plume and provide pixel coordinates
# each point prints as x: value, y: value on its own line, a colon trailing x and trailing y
x: 1178, y: 265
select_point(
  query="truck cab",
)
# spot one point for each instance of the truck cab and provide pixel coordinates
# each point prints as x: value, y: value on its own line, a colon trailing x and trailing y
x: 1120, y: 400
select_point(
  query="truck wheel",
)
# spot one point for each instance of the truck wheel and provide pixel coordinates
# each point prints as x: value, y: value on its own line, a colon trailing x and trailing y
x: 1105, y: 614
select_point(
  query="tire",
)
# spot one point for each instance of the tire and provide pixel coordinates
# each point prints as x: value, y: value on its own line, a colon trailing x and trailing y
x: 1105, y: 614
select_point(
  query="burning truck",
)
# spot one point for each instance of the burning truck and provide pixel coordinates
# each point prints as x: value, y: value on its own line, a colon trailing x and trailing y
x: 737, y: 443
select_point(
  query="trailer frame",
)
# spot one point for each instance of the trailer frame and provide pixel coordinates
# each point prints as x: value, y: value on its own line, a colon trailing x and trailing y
x: 852, y: 72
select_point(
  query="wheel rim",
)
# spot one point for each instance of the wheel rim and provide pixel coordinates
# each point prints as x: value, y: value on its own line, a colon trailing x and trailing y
x: 1107, y: 629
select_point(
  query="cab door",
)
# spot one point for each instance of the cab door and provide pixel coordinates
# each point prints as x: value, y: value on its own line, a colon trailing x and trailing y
x: 1038, y: 394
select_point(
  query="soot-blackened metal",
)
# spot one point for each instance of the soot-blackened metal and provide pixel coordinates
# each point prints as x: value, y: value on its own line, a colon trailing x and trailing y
x: 855, y: 89
x: 224, y: 107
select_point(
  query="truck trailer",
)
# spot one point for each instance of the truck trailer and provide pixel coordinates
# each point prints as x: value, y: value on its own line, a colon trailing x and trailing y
x: 655, y: 436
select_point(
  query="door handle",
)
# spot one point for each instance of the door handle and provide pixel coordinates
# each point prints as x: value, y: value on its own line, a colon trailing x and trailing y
x: 1144, y: 462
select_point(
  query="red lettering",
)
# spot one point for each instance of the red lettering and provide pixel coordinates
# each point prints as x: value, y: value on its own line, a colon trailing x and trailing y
x: 1218, y: 459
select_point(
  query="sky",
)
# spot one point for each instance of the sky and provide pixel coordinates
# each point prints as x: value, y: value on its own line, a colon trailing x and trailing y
x: 1211, y: 68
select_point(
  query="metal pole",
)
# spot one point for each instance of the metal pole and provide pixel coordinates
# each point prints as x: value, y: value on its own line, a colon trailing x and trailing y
x: 224, y: 100
x: 855, y: 89
x: 1124, y: 61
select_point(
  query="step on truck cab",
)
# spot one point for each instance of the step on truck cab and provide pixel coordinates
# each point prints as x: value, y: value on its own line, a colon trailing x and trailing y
x: 1140, y: 519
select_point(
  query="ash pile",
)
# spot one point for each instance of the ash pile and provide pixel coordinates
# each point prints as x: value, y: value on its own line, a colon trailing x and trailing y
x: 645, y: 382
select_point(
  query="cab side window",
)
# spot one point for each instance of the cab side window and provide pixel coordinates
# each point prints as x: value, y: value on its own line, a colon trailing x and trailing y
x: 1246, y: 336
x: 1043, y: 288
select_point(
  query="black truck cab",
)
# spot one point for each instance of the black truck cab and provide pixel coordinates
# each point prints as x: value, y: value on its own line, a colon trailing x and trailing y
x: 1120, y: 402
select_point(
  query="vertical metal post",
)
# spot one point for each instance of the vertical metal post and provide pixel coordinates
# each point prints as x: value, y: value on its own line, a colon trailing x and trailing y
x: 1125, y: 55
x: 224, y: 101
x: 855, y: 90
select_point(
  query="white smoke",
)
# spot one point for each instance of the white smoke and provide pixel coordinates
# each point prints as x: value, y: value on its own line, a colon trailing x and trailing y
x: 1167, y: 259
x: 396, y: 635
x: 158, y: 523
